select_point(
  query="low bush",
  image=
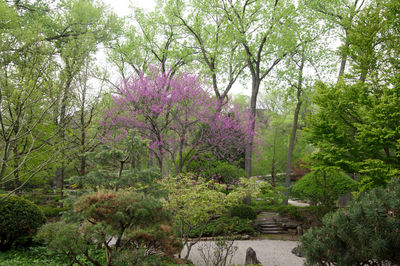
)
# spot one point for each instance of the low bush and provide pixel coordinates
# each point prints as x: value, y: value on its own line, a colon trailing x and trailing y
x: 19, y: 220
x: 243, y: 211
x: 225, y: 226
x: 210, y: 168
x: 323, y: 186
x: 51, y: 211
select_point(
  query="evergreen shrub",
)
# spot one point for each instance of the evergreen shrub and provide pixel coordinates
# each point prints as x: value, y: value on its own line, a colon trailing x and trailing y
x: 19, y: 220
x: 365, y: 233
x: 323, y: 186
x: 211, y: 168
x: 243, y: 211
x: 224, y: 226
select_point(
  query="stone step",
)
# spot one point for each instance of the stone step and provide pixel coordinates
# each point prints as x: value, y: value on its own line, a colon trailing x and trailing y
x: 273, y: 232
x: 269, y: 225
x: 272, y: 229
x: 266, y: 222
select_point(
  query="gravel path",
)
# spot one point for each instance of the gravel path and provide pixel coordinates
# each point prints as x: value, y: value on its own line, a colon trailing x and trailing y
x: 269, y: 252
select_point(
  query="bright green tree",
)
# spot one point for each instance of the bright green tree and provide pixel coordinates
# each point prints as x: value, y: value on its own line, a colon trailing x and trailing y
x: 357, y: 124
x: 26, y: 67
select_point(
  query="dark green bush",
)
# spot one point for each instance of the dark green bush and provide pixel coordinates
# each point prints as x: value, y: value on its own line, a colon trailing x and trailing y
x: 243, y: 211
x: 51, y: 211
x: 19, y: 220
x: 210, y: 168
x: 323, y: 186
x: 366, y: 233
x: 225, y: 226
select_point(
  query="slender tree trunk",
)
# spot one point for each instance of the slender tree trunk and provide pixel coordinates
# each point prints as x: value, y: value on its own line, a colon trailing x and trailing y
x: 273, y: 170
x: 343, y: 60
x: 253, y: 109
x: 4, y: 161
x: 60, y: 171
x: 294, y: 131
x: 83, y: 135
x: 17, y: 182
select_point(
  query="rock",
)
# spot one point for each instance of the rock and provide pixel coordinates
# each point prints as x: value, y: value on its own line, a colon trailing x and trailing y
x: 298, y: 251
x: 245, y: 237
x: 251, y: 257
x: 344, y: 200
x: 300, y: 230
x: 290, y: 225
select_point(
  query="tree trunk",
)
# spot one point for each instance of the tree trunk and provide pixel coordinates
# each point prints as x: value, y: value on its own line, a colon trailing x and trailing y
x: 4, y: 162
x: 273, y: 170
x: 253, y: 108
x: 343, y: 60
x: 83, y: 135
x: 17, y: 182
x: 61, y: 127
x: 294, y: 131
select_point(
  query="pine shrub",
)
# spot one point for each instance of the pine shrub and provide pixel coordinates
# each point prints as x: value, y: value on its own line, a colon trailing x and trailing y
x: 366, y: 233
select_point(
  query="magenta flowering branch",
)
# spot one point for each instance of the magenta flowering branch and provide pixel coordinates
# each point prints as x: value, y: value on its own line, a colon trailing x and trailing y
x: 179, y: 117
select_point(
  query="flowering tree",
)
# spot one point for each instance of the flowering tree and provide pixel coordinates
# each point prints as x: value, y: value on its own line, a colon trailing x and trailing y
x: 177, y: 117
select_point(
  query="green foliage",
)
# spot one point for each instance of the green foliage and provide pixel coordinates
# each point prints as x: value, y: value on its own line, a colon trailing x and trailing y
x: 51, y: 211
x: 270, y: 194
x: 366, y: 233
x: 19, y: 221
x: 210, y: 168
x: 127, y: 217
x: 224, y: 226
x: 243, y: 211
x: 137, y: 257
x: 117, y: 165
x: 194, y: 202
x: 38, y: 256
x: 357, y: 123
x: 323, y: 186
x: 64, y: 240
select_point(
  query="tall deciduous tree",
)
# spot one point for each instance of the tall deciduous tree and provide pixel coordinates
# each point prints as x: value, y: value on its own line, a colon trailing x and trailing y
x: 81, y: 26
x: 216, y: 49
x: 152, y: 39
x: 26, y: 63
x: 266, y: 33
x: 357, y: 126
x: 340, y: 14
